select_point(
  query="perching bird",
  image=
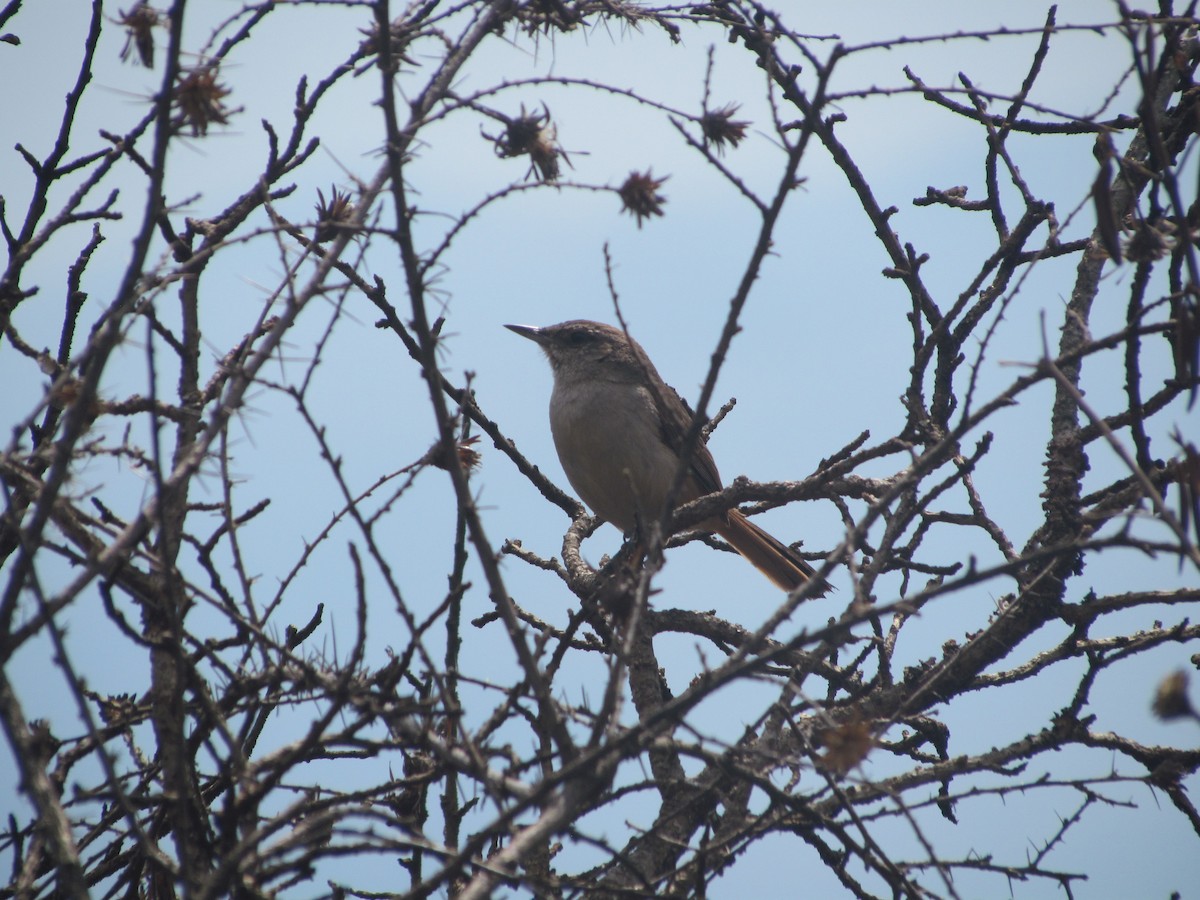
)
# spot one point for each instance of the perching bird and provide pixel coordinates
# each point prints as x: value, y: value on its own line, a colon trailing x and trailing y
x: 618, y: 428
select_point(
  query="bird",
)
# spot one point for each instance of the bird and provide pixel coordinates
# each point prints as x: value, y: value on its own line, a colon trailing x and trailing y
x: 619, y: 429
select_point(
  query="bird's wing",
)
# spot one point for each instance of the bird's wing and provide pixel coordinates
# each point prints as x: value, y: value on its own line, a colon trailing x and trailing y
x: 675, y: 417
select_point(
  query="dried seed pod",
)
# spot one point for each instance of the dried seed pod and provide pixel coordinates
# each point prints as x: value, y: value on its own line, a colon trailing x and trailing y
x: 139, y: 23
x: 333, y: 214
x: 720, y: 128
x: 199, y: 98
x: 640, y: 197
x: 532, y: 135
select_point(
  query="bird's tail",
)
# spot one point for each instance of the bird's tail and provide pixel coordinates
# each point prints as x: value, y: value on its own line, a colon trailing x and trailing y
x: 769, y: 555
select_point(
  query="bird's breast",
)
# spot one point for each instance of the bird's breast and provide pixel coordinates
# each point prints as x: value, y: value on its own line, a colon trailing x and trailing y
x: 609, y: 441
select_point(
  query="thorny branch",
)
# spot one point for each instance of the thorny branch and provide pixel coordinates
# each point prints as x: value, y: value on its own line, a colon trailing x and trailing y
x: 233, y: 706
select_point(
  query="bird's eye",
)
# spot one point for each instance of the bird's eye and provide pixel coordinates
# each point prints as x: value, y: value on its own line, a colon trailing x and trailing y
x: 580, y: 337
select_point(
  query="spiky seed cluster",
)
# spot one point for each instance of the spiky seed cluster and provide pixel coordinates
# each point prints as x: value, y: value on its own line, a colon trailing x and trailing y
x: 200, y: 97
x: 640, y: 197
x: 401, y: 34
x: 549, y: 15
x: 1148, y: 242
x: 468, y: 456
x: 720, y: 128
x: 139, y: 24
x: 117, y: 709
x: 846, y: 746
x: 65, y: 392
x: 333, y: 214
x: 1171, y: 699
x: 409, y: 802
x: 532, y: 135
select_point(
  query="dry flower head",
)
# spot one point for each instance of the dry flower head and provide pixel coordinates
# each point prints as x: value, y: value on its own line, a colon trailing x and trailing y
x: 1148, y: 242
x: 846, y: 746
x: 468, y: 457
x: 532, y: 135
x: 720, y: 128
x: 1171, y: 698
x: 402, y: 34
x: 333, y: 214
x: 139, y: 23
x: 200, y: 97
x: 640, y: 197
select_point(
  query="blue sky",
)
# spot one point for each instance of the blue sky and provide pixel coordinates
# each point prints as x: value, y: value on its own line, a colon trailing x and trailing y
x: 823, y: 354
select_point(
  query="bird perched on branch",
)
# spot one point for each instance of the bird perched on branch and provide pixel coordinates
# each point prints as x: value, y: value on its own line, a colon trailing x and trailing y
x: 619, y: 430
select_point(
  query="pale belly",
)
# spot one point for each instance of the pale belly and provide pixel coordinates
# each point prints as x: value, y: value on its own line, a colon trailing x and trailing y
x: 609, y: 445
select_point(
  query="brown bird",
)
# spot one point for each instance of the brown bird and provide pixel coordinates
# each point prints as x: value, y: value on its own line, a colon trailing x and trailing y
x: 618, y: 428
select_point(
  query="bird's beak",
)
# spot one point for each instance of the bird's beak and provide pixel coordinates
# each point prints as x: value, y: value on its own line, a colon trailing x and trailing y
x: 528, y: 331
